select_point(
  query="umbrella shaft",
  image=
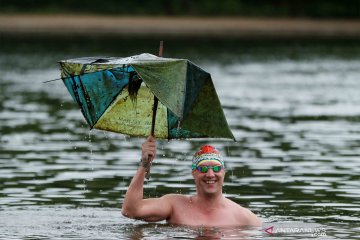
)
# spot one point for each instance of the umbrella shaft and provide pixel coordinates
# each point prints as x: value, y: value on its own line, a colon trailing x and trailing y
x: 161, y: 49
x: 154, y: 116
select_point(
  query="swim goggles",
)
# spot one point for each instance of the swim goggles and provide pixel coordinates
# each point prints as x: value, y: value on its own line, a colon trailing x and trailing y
x: 205, y: 169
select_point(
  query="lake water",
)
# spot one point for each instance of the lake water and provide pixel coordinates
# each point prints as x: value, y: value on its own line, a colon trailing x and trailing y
x: 294, y: 108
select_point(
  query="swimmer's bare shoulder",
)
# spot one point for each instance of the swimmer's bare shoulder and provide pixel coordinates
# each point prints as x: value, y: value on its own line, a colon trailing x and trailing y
x: 244, y: 215
x: 180, y: 208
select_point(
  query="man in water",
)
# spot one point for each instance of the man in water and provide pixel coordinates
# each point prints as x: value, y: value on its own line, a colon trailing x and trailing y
x: 208, y: 207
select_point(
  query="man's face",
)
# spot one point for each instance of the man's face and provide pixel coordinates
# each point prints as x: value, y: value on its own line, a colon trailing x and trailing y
x: 211, y: 182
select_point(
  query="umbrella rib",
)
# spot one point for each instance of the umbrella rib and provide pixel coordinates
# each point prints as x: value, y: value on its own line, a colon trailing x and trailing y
x: 78, y: 75
x: 184, y: 96
x: 89, y: 104
x: 76, y: 94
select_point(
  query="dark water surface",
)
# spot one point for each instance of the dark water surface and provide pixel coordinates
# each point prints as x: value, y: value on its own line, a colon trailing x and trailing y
x: 294, y: 108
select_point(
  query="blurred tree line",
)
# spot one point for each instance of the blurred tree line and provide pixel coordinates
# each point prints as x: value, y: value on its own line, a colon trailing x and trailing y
x: 251, y: 8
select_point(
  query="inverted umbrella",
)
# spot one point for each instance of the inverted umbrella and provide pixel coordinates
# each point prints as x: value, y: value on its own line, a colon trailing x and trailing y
x: 116, y: 94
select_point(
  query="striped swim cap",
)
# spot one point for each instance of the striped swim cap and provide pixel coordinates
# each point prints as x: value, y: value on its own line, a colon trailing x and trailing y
x: 206, y: 153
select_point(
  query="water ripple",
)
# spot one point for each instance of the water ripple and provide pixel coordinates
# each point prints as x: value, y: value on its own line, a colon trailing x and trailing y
x: 296, y: 159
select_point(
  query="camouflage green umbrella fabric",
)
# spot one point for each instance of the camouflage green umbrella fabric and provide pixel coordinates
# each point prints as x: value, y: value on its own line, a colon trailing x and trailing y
x: 116, y: 94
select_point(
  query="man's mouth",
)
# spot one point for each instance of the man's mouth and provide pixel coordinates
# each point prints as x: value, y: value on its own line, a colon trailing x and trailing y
x: 210, y: 181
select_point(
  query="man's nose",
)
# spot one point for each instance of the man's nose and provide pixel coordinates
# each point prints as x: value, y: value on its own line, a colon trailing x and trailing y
x: 210, y: 173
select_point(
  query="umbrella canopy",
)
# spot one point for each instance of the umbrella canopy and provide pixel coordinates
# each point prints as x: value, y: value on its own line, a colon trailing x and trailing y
x: 116, y: 94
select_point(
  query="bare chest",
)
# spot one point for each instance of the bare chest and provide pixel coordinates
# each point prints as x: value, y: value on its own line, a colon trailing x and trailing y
x: 191, y: 215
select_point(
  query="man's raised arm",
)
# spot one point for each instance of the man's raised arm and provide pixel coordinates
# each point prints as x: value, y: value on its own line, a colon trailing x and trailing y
x: 134, y: 206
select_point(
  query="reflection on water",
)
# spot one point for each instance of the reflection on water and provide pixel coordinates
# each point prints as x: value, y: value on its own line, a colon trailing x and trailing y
x: 104, y: 223
x: 294, y: 110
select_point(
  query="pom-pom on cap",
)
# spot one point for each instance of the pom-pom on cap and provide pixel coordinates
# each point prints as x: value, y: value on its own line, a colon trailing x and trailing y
x: 206, y: 153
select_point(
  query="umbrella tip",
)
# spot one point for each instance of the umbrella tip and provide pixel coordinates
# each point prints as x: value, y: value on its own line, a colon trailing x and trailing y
x: 161, y: 48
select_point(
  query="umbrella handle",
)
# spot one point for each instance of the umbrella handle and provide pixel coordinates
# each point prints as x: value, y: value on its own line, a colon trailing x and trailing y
x: 147, y: 175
